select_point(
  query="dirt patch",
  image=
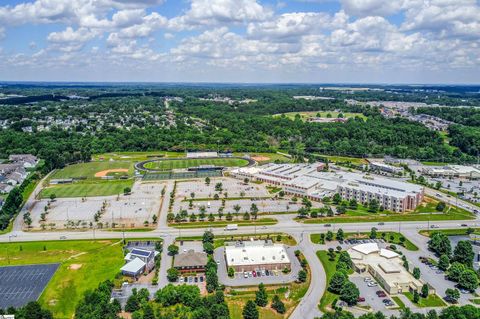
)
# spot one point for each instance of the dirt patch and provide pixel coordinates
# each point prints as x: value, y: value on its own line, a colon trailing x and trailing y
x: 75, y: 266
x: 260, y: 158
x: 107, y: 171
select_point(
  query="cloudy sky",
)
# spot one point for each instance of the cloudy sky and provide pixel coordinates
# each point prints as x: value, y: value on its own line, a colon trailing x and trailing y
x: 348, y: 41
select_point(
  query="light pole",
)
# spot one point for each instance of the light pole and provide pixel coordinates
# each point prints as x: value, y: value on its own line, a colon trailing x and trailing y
x: 9, y: 242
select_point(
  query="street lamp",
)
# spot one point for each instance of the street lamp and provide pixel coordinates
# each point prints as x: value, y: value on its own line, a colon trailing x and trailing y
x: 9, y: 242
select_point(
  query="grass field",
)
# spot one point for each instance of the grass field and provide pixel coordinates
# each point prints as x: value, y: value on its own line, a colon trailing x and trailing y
x: 399, y: 302
x: 394, y: 240
x: 448, y: 232
x: 83, y: 265
x: 330, y: 268
x: 344, y: 159
x: 430, y: 301
x: 87, y: 188
x: 305, y: 115
x: 88, y: 170
x: 168, y: 165
x: 360, y: 215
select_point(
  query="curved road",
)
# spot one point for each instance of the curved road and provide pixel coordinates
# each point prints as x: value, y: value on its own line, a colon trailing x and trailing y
x: 308, y: 307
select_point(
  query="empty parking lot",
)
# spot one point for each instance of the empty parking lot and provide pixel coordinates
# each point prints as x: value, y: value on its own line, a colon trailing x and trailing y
x: 21, y: 284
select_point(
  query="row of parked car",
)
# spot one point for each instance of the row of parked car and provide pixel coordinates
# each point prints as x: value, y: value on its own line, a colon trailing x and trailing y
x: 363, y: 241
x: 191, y: 279
x: 259, y: 273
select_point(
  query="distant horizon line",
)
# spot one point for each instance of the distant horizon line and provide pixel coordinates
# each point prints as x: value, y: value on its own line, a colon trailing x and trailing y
x: 239, y: 83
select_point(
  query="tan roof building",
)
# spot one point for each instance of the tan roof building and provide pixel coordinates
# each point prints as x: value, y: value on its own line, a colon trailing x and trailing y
x: 385, y: 266
x: 190, y: 261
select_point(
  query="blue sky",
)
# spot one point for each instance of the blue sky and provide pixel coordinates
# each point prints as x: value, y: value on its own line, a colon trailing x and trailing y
x: 342, y: 41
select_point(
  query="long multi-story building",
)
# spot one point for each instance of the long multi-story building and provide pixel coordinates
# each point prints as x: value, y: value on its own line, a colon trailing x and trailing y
x: 309, y: 180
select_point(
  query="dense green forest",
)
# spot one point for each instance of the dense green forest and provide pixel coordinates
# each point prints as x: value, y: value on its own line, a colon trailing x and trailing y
x: 135, y: 118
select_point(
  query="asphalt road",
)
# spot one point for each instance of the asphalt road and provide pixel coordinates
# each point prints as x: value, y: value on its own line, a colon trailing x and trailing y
x: 308, y: 306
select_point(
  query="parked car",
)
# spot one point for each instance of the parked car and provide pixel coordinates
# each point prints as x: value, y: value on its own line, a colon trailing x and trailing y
x: 245, y: 274
x: 267, y: 273
x: 258, y: 273
x: 327, y: 225
x: 381, y: 223
x: 254, y: 274
x: 367, y: 279
x: 361, y: 299
x: 201, y: 278
x: 195, y: 279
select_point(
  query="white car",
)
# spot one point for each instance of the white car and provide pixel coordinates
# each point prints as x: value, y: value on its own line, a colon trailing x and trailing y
x: 367, y: 279
x: 245, y: 274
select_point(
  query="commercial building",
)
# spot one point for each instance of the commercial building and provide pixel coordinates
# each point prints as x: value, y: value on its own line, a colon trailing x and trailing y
x: 382, y: 167
x: 256, y: 255
x: 191, y: 261
x: 385, y: 266
x: 138, y: 261
x: 309, y: 180
x: 453, y: 171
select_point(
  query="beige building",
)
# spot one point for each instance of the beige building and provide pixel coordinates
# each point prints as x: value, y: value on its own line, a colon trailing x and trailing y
x: 256, y: 255
x: 385, y: 266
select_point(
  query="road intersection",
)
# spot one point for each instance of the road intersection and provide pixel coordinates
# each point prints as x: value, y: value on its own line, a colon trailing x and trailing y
x: 286, y: 224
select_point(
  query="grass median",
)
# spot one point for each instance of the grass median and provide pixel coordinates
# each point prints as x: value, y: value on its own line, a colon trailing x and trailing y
x: 216, y: 224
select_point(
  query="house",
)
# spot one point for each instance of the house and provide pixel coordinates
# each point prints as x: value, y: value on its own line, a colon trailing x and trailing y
x: 191, y: 261
x: 27, y: 160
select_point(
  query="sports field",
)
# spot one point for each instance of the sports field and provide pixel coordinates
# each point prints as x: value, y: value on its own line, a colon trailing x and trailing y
x: 167, y: 165
x: 87, y: 189
x: 88, y: 170
x: 83, y: 264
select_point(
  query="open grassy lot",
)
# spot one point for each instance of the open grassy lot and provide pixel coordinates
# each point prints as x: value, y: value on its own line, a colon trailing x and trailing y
x: 258, y: 222
x: 264, y: 158
x: 83, y: 265
x: 430, y: 301
x: 305, y: 115
x: 391, y: 237
x: 449, y: 232
x: 361, y: 215
x: 168, y: 165
x: 88, y: 170
x: 87, y: 188
x: 344, y: 159
x: 329, y: 267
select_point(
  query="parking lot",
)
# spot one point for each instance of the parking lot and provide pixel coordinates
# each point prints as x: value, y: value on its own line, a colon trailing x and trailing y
x: 131, y: 210
x: 368, y: 290
x: 234, y: 188
x: 260, y: 276
x: 21, y: 284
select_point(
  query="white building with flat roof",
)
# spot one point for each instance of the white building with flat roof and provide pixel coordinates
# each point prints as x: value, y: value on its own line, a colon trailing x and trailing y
x: 386, y: 266
x: 256, y: 255
x: 453, y: 171
x: 309, y: 180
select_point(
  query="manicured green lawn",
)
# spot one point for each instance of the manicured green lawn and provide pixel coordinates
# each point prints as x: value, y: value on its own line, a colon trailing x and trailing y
x: 330, y: 268
x: 316, y: 239
x: 448, y: 232
x: 83, y: 264
x: 87, y: 188
x: 388, y: 237
x: 359, y: 217
x: 430, y: 301
x: 168, y: 165
x: 399, y: 302
x: 136, y: 156
x: 88, y: 170
x: 199, y: 224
